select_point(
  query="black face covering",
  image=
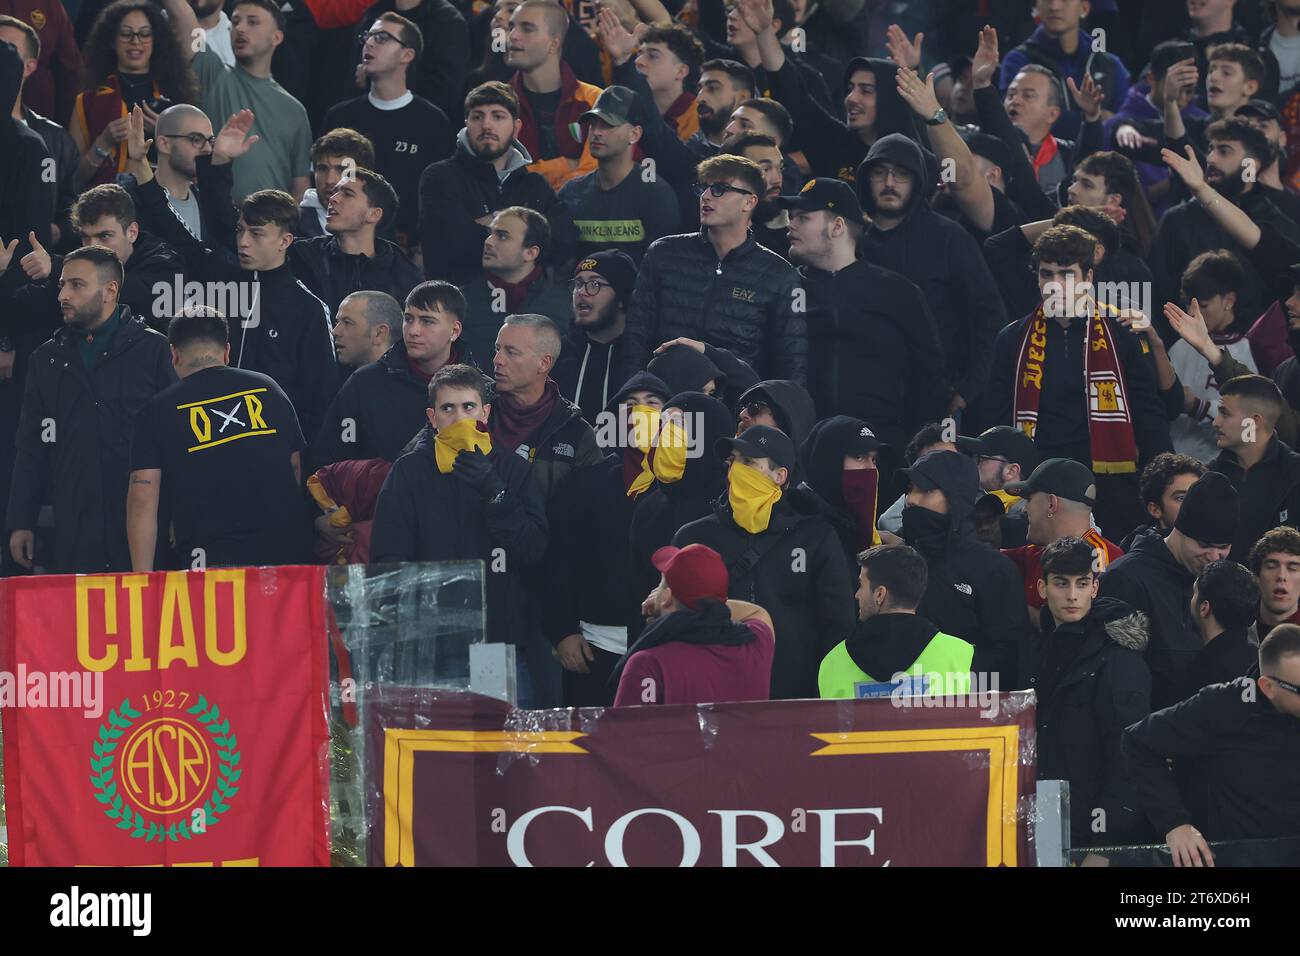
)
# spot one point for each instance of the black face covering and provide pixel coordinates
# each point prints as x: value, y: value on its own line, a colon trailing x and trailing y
x: 923, y: 528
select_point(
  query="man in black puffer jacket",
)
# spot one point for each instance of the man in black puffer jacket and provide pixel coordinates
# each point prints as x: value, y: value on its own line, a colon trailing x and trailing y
x: 487, y: 173
x: 908, y: 237
x: 1087, y: 669
x: 788, y: 563
x: 974, y: 592
x: 719, y: 286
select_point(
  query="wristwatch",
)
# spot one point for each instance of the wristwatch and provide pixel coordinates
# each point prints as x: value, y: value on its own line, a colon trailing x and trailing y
x: 99, y: 151
x: 939, y: 118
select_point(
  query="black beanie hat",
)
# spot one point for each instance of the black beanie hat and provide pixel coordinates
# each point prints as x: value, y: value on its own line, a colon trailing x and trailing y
x: 1210, y: 510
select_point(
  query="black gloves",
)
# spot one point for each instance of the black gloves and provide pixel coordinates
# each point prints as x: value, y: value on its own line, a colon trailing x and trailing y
x: 473, y: 468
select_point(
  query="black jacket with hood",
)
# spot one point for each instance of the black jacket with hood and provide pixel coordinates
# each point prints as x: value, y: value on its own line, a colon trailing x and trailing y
x: 873, y: 350
x: 685, y: 370
x: 1150, y: 580
x: 455, y: 192
x: 944, y: 261
x: 821, y: 460
x: 791, y: 405
x: 379, y: 409
x: 424, y: 515
x: 831, y: 147
x: 1101, y: 687
x: 588, y: 569
x: 973, y: 592
x: 585, y: 371
x: 84, y: 472
x: 799, y: 578
x: 665, y: 508
x: 27, y: 197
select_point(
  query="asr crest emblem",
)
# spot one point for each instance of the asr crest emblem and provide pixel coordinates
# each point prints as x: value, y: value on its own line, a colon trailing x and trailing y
x: 164, y: 772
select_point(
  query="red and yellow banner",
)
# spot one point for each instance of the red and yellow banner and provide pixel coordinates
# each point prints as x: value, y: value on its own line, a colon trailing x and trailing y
x: 181, y: 719
x: 461, y: 780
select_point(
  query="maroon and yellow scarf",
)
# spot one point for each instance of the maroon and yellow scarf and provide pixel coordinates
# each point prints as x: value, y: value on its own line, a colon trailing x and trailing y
x: 1110, y: 421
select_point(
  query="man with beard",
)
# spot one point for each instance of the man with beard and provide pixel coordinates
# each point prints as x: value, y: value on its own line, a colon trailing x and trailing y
x: 407, y: 130
x: 187, y: 153
x: 216, y: 28
x: 551, y: 98
x: 1190, y: 228
x: 873, y: 348
x: 771, y: 220
x: 88, y: 381
x: 906, y: 236
x: 282, y: 158
x: 601, y: 287
x: 1157, y: 576
x: 489, y: 172
x: 617, y: 206
x: 872, y: 105
x: 1268, y: 120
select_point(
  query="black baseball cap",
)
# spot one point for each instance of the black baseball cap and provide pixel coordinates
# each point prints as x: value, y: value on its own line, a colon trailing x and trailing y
x: 1063, y: 477
x: 1003, y: 441
x: 1260, y: 109
x: 760, y: 441
x: 615, y: 105
x: 833, y: 195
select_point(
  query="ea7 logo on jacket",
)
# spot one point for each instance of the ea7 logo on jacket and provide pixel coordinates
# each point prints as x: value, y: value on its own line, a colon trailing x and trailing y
x: 964, y: 588
x: 216, y: 421
x: 744, y: 295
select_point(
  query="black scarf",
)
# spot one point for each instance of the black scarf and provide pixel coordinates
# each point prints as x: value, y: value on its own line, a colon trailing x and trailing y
x: 711, y: 624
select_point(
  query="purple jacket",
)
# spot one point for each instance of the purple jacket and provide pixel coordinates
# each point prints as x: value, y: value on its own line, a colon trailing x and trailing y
x: 1136, y: 106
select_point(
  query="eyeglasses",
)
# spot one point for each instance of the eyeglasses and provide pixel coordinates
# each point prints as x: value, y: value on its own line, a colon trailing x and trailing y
x: 984, y: 458
x: 718, y: 190
x: 589, y: 286
x: 197, y: 140
x: 880, y: 173
x: 129, y: 35
x: 381, y: 37
x: 1284, y: 684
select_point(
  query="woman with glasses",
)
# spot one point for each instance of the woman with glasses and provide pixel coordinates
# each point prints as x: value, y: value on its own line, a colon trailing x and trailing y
x: 132, y: 58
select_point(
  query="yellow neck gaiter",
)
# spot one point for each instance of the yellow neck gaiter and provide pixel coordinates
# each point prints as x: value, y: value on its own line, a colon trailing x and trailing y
x: 464, y: 435
x: 670, y: 454
x: 1006, y: 498
x: 752, y: 495
x: 643, y: 424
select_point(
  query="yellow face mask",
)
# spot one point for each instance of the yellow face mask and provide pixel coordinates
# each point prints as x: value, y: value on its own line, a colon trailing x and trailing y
x: 643, y: 424
x: 752, y: 495
x: 670, y: 454
x: 463, y: 435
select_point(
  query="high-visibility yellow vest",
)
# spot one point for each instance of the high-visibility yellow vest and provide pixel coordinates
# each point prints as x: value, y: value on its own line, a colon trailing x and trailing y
x: 945, y: 662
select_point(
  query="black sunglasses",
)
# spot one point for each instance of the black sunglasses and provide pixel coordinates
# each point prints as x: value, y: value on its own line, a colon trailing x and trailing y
x: 718, y: 190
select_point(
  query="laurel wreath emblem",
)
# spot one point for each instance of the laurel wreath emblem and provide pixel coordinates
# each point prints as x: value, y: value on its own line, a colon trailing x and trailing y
x: 119, y: 722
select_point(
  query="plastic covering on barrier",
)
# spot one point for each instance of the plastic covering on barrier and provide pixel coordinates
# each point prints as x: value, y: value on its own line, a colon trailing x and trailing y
x: 1227, y: 853
x: 409, y: 625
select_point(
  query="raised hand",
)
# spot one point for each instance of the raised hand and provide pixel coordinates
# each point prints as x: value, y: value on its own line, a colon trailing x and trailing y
x: 7, y: 253
x: 137, y: 147
x: 1089, y: 97
x: 1179, y: 77
x: 234, y: 140
x: 985, y: 62
x: 1190, y: 326
x: 36, y: 263
x: 903, y: 51
x: 757, y: 14
x: 1187, y: 167
x: 918, y: 93
x: 618, y: 43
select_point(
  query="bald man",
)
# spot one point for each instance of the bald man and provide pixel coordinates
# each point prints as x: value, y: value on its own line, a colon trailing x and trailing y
x: 184, y: 134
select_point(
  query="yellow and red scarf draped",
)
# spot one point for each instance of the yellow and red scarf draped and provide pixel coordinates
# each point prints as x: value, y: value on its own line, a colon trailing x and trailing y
x: 1110, y: 421
x: 95, y: 109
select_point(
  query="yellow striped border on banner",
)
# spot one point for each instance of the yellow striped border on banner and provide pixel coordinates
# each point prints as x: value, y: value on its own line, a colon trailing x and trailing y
x: 1002, y: 744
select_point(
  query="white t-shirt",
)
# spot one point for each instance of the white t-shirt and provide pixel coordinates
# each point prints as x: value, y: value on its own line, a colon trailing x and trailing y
x: 1196, y: 438
x: 218, y: 39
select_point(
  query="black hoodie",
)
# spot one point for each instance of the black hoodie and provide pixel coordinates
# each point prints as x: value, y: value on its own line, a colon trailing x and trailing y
x: 791, y: 405
x: 944, y: 261
x: 665, y: 508
x: 685, y: 370
x: 583, y: 371
x: 26, y: 196
x: 1150, y: 580
x: 888, y: 644
x: 831, y: 147
x: 974, y: 592
x: 821, y: 460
